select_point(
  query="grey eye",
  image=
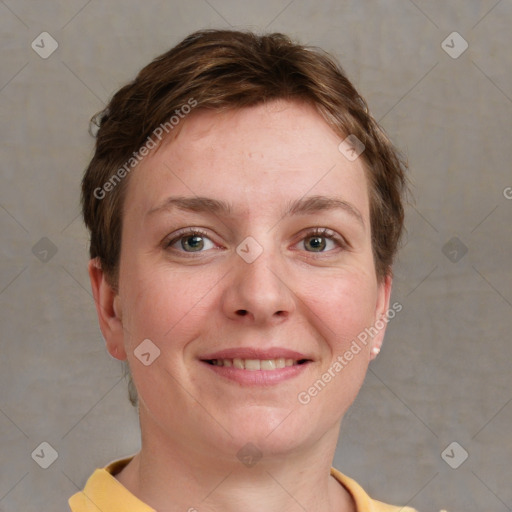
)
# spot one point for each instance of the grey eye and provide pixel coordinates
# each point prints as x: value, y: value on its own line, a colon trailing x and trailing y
x: 192, y: 243
x: 315, y: 243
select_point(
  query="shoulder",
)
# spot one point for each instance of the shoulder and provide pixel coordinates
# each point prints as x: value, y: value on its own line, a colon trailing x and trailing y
x: 104, y: 492
x: 363, y: 502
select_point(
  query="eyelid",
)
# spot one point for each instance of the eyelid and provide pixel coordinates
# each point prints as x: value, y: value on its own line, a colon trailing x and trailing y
x: 169, y: 240
x: 327, y: 233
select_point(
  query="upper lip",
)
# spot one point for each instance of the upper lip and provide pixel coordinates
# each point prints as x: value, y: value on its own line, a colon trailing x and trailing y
x: 256, y: 353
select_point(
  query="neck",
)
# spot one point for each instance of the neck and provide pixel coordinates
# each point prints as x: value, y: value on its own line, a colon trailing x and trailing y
x: 171, y: 477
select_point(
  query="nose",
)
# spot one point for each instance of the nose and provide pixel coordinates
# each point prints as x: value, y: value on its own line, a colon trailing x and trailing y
x: 258, y: 293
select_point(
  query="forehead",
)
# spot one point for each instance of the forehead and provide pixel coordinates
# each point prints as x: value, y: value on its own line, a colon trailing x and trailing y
x: 274, y: 151
x: 269, y: 132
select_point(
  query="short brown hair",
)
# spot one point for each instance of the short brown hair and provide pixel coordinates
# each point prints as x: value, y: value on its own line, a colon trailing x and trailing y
x: 222, y: 70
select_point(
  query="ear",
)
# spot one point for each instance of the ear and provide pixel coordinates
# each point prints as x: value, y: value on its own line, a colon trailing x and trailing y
x: 108, y: 308
x: 381, y: 315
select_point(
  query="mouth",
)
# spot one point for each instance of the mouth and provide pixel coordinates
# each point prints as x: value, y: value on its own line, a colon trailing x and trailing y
x: 256, y: 364
x: 256, y: 367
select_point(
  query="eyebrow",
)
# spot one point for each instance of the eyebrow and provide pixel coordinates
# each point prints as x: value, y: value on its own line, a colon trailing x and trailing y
x: 193, y: 204
x: 302, y: 206
x: 316, y: 204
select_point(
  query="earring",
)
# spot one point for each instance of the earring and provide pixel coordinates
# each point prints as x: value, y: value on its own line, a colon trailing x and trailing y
x: 375, y: 351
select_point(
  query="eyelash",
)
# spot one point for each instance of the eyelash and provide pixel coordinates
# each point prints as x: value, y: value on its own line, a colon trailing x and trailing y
x: 325, y: 233
x: 309, y: 233
x: 184, y: 233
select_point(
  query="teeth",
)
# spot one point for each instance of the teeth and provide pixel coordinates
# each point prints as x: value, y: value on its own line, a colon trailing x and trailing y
x: 268, y: 364
x: 237, y: 363
x: 252, y: 364
x: 255, y: 364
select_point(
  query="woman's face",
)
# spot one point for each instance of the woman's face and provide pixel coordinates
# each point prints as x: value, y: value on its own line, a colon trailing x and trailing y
x: 246, y: 246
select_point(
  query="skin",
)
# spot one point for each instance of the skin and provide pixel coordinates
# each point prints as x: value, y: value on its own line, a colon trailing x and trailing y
x: 193, y: 421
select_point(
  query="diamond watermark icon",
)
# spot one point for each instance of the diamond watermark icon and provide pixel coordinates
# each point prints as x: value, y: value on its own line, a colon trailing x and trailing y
x: 454, y: 455
x: 44, y: 250
x: 146, y: 352
x: 249, y: 455
x: 454, y: 45
x: 454, y: 249
x: 45, y: 455
x: 249, y: 249
x: 44, y: 45
x: 351, y: 147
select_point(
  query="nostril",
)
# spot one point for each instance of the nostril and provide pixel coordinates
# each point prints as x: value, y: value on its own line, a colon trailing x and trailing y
x: 244, y: 312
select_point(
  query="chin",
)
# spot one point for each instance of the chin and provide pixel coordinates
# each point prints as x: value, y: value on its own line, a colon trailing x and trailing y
x: 274, y: 431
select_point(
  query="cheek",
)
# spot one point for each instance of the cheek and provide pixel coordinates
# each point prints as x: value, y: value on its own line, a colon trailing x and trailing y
x: 166, y: 308
x: 343, y: 306
x: 165, y: 305
x: 339, y: 315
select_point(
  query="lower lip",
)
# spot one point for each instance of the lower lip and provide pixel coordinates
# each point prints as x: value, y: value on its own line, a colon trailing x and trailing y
x: 258, y: 377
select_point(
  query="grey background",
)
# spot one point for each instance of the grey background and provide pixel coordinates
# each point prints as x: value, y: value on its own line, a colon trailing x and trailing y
x: 443, y: 374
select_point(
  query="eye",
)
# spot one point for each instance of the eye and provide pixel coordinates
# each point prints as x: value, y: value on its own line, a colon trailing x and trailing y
x: 192, y: 240
x: 322, y: 240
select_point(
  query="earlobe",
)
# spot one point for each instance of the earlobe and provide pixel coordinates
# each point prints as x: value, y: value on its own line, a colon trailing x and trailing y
x: 108, y: 309
x: 381, y: 315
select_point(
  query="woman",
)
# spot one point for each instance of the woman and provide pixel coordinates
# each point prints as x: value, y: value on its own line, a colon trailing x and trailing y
x: 244, y: 210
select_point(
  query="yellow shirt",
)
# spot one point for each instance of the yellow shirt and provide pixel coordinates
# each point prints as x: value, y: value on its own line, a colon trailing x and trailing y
x: 103, y: 492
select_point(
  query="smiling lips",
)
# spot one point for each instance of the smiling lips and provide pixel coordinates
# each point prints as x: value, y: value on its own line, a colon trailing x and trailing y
x: 255, y: 366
